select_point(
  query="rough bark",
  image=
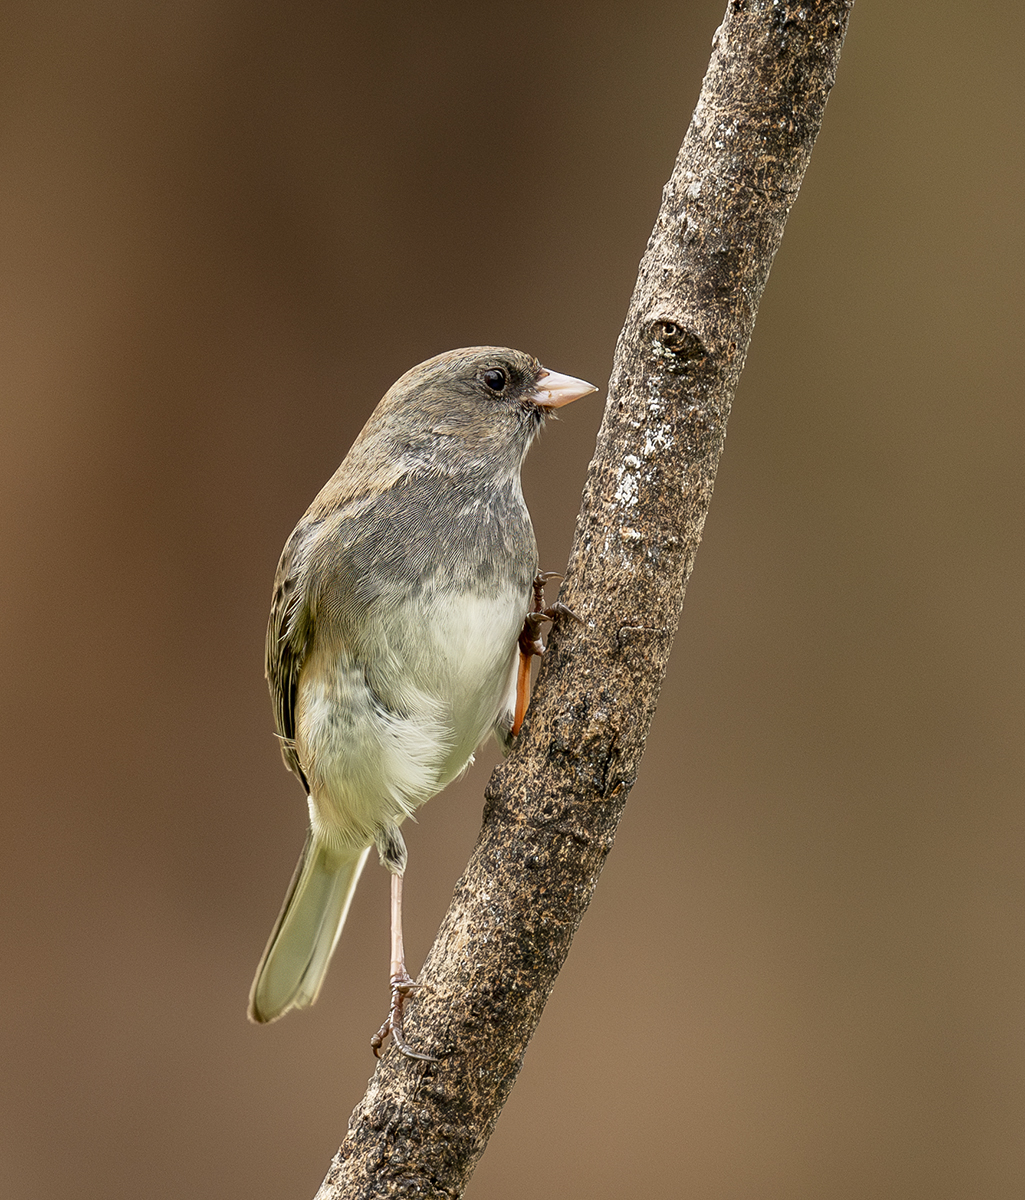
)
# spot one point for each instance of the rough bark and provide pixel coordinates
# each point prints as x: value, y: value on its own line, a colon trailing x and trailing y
x: 553, y: 807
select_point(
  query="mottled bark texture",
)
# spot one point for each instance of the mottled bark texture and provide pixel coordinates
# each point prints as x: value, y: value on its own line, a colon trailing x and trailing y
x: 553, y: 807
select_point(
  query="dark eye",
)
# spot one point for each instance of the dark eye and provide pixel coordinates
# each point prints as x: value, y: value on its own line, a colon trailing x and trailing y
x: 495, y: 379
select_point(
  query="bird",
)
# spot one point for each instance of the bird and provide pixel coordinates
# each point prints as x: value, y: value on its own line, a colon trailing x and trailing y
x: 397, y: 636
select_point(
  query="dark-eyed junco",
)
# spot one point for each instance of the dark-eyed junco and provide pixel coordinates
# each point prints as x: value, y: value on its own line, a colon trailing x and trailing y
x: 392, y: 647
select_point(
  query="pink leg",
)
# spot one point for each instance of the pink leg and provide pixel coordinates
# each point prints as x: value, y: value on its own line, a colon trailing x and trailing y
x: 401, y: 983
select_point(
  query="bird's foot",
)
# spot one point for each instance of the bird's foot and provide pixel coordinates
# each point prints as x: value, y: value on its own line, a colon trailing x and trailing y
x: 540, y: 614
x: 401, y: 986
x: 530, y: 642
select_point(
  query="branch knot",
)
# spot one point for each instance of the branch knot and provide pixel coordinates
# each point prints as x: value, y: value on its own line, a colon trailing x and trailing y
x: 674, y: 343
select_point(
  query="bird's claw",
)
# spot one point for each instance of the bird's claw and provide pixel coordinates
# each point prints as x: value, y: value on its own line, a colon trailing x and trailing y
x: 540, y: 614
x: 401, y: 986
x: 530, y: 637
x: 558, y: 609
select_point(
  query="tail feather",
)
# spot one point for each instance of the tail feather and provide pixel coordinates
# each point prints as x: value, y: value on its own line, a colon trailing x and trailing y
x: 297, y: 956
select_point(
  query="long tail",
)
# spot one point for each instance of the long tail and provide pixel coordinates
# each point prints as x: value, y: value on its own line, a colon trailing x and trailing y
x: 297, y: 956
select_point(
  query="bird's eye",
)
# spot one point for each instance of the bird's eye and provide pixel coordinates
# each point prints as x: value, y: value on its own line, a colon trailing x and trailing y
x: 495, y: 379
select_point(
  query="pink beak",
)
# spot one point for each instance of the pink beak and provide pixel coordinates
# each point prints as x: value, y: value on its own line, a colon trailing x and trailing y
x: 554, y: 390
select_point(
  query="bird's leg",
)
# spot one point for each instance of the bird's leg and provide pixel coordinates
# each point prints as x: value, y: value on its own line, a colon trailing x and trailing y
x: 401, y: 982
x: 530, y: 640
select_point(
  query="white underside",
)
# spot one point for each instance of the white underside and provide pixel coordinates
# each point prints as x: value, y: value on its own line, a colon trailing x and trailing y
x: 374, y: 752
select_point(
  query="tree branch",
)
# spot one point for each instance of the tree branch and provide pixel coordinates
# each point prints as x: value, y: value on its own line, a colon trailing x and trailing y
x: 553, y: 807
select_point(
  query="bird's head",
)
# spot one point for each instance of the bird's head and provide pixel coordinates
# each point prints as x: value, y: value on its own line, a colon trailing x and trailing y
x: 478, y: 408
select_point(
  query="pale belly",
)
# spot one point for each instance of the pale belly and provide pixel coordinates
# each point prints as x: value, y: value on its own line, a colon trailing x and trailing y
x: 377, y: 739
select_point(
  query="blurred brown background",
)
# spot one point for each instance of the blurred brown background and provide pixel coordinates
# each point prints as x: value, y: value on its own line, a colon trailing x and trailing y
x: 226, y: 228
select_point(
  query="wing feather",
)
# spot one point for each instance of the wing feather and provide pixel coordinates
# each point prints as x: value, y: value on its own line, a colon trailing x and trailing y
x: 289, y: 634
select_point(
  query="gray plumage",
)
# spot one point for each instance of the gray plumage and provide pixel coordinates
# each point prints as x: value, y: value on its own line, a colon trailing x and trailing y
x: 392, y: 641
